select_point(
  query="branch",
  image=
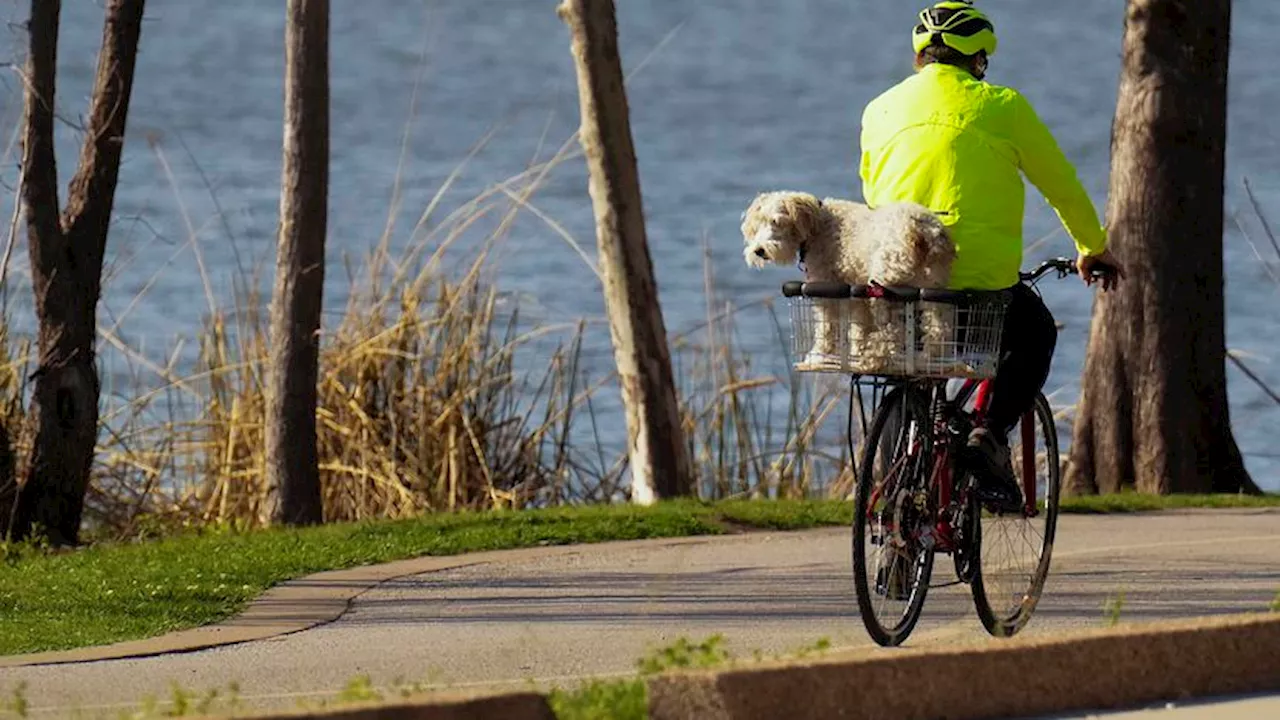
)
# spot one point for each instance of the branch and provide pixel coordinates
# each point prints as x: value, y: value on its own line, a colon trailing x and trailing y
x: 77, y: 125
x: 1257, y: 210
x: 1234, y: 358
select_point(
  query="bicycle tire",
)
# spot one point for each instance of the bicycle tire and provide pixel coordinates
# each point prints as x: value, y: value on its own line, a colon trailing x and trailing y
x: 1007, y: 624
x: 914, y: 405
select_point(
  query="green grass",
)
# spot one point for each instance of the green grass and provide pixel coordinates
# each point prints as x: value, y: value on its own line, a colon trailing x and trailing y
x: 112, y: 592
x: 627, y: 699
x: 599, y: 699
x: 1127, y: 502
x: 624, y: 698
x: 108, y: 593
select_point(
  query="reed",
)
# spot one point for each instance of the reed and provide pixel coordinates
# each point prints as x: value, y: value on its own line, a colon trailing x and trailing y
x: 434, y: 398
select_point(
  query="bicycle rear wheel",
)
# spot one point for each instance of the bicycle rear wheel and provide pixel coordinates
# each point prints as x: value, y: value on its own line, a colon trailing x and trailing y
x: 1014, y: 550
x: 892, y: 558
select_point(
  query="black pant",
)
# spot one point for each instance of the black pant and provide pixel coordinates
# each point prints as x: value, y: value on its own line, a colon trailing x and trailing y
x: 1026, y: 346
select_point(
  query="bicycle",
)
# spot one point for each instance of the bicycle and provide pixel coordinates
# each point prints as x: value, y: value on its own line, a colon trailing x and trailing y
x: 913, y: 501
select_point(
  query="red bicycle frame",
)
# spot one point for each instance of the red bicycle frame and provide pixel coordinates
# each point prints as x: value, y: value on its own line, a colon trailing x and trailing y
x: 942, y: 475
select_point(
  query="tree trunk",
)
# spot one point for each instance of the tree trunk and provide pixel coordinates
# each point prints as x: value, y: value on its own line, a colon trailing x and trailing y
x: 293, y: 488
x: 660, y: 466
x: 66, y: 251
x: 1153, y: 408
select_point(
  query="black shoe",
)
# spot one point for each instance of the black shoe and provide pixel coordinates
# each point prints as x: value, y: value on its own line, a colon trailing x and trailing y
x: 997, y: 487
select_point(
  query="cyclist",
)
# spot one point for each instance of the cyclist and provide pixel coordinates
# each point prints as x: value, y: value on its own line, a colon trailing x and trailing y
x: 948, y: 140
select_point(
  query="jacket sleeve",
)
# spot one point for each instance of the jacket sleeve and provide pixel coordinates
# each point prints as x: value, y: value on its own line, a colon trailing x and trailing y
x: 864, y: 173
x: 1052, y: 173
x: 864, y: 164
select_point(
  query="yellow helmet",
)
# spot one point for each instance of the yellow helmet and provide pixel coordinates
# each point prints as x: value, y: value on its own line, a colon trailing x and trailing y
x: 958, y: 25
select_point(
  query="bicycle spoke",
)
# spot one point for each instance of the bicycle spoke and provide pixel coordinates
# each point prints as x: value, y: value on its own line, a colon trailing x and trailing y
x: 891, y: 566
x: 1015, y: 548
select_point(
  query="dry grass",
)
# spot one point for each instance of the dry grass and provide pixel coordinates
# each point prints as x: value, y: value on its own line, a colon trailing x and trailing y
x: 745, y: 440
x: 424, y: 407
x: 432, y: 398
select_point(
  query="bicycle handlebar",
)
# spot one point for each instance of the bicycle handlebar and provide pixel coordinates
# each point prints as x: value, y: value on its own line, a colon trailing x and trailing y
x: 1065, y: 267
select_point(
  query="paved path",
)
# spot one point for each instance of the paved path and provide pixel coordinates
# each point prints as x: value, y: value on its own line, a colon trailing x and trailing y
x: 595, y: 609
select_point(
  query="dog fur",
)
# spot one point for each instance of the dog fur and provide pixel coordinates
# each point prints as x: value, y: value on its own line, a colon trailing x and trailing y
x: 902, y: 244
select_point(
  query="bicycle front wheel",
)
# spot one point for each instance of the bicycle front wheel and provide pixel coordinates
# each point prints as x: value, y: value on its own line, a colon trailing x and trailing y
x: 892, y: 558
x: 1015, y: 549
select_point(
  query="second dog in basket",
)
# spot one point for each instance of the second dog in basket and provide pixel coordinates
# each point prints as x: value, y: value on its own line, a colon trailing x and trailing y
x: 901, y: 244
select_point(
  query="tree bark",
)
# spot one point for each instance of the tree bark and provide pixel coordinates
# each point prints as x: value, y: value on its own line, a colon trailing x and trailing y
x: 293, y: 487
x: 660, y: 466
x: 1153, y: 408
x: 66, y: 251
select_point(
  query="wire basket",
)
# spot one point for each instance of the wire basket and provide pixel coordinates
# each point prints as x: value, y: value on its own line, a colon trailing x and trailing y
x: 875, y: 336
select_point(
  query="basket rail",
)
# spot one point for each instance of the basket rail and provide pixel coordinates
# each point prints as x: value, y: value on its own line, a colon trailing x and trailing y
x: 842, y: 291
x: 895, y: 331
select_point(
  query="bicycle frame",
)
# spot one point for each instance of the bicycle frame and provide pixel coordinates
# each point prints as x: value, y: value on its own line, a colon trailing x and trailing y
x: 924, y: 510
x: 982, y: 401
x: 941, y: 475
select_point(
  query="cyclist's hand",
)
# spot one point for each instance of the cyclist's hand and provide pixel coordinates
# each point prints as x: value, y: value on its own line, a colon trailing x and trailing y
x: 1104, y: 261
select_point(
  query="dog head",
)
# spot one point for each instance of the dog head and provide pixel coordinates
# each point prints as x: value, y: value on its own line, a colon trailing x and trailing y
x: 777, y: 225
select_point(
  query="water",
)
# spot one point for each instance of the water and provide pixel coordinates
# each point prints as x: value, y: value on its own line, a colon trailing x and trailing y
x: 736, y: 97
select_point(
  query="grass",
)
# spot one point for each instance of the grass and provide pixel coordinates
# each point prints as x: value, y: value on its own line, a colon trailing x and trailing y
x: 1113, y: 609
x: 599, y: 699
x: 118, y: 591
x: 433, y: 396
x: 627, y: 699
x: 1128, y: 502
x: 126, y: 590
x: 594, y: 699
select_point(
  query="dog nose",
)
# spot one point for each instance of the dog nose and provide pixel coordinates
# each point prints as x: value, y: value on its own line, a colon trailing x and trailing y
x: 760, y: 252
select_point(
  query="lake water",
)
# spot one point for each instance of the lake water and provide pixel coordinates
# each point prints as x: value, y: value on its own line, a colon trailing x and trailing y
x: 733, y: 98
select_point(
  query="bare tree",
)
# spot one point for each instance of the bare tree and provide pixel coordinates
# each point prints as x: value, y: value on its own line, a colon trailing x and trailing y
x: 1153, y: 410
x: 660, y: 465
x: 67, y: 249
x: 292, y: 463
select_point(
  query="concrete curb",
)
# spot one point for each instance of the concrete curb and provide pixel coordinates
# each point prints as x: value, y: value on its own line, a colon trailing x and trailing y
x: 314, y: 600
x: 1093, y: 670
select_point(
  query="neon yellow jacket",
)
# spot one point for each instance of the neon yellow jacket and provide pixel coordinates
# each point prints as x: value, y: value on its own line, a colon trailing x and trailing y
x: 957, y: 145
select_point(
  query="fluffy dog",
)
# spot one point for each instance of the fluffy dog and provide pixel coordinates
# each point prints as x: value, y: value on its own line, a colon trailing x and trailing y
x: 844, y: 241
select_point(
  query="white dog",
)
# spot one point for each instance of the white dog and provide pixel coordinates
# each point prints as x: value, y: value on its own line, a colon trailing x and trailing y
x: 902, y: 244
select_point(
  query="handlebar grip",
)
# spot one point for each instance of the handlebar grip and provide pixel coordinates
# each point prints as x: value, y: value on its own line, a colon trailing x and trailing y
x: 824, y: 290
x: 1101, y: 271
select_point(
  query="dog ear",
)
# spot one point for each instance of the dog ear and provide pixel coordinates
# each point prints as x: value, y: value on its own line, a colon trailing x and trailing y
x: 917, y: 241
x: 928, y: 237
x: 749, y: 218
x: 804, y: 212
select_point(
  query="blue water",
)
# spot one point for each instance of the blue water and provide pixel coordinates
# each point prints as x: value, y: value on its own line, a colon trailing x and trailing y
x: 735, y: 97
